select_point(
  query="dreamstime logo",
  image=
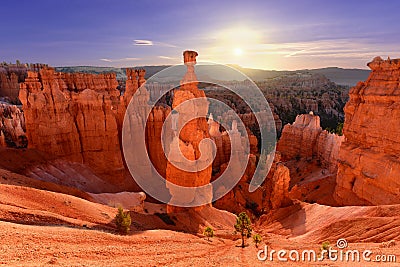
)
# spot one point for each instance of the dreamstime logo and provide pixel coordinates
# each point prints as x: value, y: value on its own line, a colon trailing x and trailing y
x: 341, y: 254
x: 183, y: 114
x: 341, y: 243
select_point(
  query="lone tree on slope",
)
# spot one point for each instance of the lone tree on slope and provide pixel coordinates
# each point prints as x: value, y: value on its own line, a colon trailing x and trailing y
x: 123, y: 221
x: 257, y: 239
x: 208, y: 232
x: 243, y: 226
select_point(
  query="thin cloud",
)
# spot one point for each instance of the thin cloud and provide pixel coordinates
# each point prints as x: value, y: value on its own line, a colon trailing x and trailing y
x: 296, y: 53
x: 334, y: 48
x: 120, y: 59
x: 143, y: 42
x: 151, y: 43
x: 165, y: 44
x: 165, y: 57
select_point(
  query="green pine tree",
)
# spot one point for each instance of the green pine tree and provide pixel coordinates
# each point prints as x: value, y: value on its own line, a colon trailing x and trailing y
x: 257, y: 239
x: 243, y: 226
x: 208, y: 232
x: 123, y: 221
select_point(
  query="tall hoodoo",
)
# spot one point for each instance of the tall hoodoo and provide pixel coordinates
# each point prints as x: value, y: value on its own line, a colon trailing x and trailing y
x: 192, y: 132
x: 369, y: 161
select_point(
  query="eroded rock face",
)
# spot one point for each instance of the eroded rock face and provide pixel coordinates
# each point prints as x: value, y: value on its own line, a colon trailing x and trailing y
x: 74, y: 116
x: 154, y: 128
x: 10, y: 77
x: 369, y: 163
x: 327, y: 150
x: 305, y: 139
x: 12, y: 126
x: 9, y: 85
x: 272, y: 194
x: 223, y: 143
x: 134, y: 79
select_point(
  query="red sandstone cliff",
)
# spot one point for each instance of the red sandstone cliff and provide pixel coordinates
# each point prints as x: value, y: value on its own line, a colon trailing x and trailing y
x: 369, y: 161
x: 10, y: 77
x: 74, y: 116
x: 306, y: 139
x: 9, y: 85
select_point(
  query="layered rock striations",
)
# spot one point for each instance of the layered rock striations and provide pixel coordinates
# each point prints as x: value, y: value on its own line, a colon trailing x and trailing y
x: 305, y: 139
x: 369, y: 162
x: 75, y: 117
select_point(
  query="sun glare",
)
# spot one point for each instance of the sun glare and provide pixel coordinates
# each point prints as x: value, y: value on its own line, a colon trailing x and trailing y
x: 238, y: 44
x: 238, y: 51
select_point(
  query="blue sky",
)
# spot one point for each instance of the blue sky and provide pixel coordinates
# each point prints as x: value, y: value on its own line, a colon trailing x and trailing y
x: 260, y: 34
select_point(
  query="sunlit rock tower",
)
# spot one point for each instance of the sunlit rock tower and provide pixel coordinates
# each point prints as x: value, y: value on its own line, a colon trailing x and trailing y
x: 188, y: 139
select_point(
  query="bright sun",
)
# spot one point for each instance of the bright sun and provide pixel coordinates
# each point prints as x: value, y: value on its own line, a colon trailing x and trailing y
x: 238, y: 51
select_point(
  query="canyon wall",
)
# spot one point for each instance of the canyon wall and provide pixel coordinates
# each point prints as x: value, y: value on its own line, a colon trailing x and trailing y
x: 369, y: 161
x: 75, y: 117
x: 11, y: 75
x: 305, y: 139
x: 9, y: 85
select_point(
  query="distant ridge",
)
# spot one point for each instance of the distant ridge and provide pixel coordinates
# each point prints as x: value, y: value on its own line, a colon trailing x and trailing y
x: 343, y: 76
x: 348, y: 77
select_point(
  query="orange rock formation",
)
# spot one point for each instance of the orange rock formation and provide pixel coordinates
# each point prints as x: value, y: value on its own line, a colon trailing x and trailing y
x: 190, y: 136
x: 272, y: 194
x: 306, y: 139
x: 12, y: 124
x: 369, y: 161
x: 75, y: 117
x: 10, y: 76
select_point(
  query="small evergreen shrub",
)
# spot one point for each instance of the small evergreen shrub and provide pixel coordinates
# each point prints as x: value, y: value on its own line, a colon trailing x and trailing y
x: 257, y: 239
x: 208, y: 232
x: 123, y: 221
